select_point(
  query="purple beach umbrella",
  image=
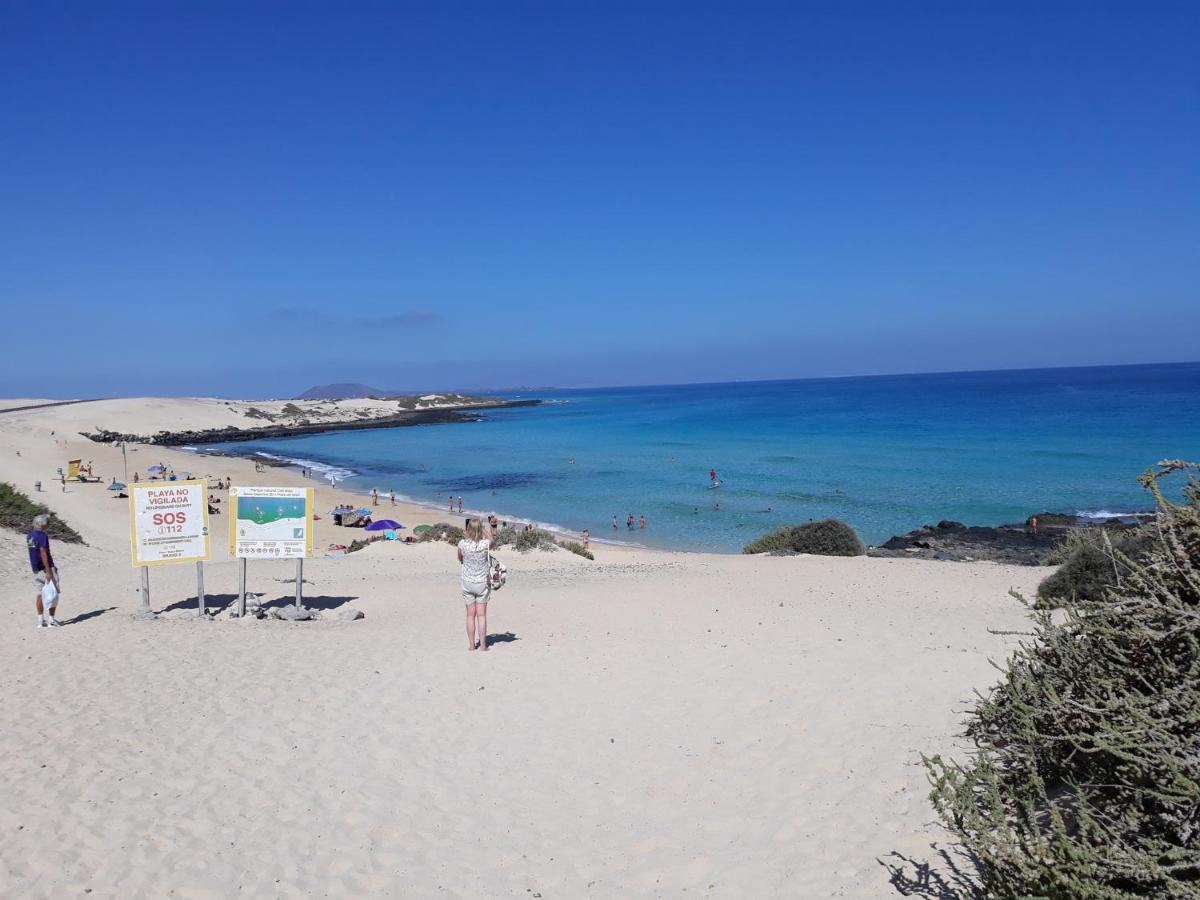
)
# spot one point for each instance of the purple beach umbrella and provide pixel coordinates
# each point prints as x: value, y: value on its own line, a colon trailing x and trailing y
x: 384, y: 525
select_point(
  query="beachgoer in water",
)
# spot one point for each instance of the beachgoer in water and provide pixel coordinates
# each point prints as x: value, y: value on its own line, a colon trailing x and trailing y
x: 450, y: 504
x: 44, y: 571
x: 718, y: 506
x: 614, y: 521
x: 629, y: 521
x: 392, y: 496
x: 712, y: 474
x: 460, y: 504
x: 642, y: 522
x: 695, y: 510
x: 473, y: 553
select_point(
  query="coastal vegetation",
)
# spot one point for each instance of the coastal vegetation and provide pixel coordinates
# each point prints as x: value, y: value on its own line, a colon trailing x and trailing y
x: 17, y: 512
x: 1084, y: 780
x: 442, y: 531
x: 524, y: 539
x: 577, y: 548
x: 826, y: 537
x: 1094, y: 560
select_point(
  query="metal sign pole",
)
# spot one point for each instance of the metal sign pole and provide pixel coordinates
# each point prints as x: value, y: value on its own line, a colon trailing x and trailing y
x: 201, y: 611
x: 144, y: 611
x: 241, y: 607
x: 299, y: 581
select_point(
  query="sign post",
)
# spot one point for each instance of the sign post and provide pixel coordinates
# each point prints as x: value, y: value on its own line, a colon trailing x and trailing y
x: 201, y: 610
x: 271, y: 523
x: 145, y: 612
x: 241, y: 607
x: 168, y: 523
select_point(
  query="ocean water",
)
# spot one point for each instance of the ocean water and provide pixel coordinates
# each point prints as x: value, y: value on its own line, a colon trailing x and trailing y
x: 886, y: 454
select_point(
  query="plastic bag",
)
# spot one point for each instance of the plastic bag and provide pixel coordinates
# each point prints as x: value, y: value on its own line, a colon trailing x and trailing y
x: 49, y: 595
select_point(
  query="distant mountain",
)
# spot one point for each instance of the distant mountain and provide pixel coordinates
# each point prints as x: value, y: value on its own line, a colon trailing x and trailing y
x: 342, y: 392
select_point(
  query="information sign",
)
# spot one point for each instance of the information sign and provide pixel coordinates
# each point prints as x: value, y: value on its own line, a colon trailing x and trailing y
x: 271, y: 522
x: 168, y: 522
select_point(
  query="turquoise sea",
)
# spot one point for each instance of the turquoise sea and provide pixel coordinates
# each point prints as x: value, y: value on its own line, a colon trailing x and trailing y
x: 884, y: 453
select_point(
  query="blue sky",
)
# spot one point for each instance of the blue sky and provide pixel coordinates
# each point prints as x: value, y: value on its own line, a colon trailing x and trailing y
x: 246, y: 199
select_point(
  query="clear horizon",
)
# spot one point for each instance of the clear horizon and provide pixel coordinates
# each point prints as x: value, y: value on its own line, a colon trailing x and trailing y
x: 605, y: 387
x: 246, y: 199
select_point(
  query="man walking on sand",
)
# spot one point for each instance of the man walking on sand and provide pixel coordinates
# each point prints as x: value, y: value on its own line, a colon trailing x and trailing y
x: 44, y: 570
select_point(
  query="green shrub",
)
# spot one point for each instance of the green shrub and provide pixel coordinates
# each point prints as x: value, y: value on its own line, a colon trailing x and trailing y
x: 525, y: 539
x: 828, y: 537
x: 1097, y: 560
x: 577, y: 548
x: 443, y: 531
x: 534, y: 539
x: 1084, y: 779
x: 17, y: 512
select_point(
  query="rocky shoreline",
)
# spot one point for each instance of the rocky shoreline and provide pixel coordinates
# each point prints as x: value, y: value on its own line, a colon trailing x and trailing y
x: 1018, y: 544
x: 233, y: 433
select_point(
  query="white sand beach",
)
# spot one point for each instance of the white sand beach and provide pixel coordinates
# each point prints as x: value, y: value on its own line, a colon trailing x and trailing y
x: 645, y: 725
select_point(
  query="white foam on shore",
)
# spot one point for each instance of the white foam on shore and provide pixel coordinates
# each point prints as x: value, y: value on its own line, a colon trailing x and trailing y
x: 1110, y: 513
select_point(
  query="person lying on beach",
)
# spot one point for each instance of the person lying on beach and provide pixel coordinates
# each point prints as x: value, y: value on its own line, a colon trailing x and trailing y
x: 473, y: 552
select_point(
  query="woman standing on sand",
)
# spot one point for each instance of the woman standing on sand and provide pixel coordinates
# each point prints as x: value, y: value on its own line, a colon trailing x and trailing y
x: 473, y: 553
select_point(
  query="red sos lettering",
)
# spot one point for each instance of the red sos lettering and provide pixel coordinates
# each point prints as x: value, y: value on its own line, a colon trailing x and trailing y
x: 171, y: 518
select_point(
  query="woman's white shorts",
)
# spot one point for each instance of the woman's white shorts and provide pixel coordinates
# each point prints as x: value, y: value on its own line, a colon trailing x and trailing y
x: 475, y: 593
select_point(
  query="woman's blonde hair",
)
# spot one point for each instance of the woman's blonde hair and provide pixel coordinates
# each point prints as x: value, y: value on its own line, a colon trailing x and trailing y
x: 474, y: 530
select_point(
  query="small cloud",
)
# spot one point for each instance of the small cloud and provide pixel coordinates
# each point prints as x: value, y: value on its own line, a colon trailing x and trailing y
x: 416, y: 317
x: 311, y: 318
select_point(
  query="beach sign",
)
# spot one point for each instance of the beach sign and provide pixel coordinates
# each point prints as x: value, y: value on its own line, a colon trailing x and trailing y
x: 168, y: 522
x: 271, y: 522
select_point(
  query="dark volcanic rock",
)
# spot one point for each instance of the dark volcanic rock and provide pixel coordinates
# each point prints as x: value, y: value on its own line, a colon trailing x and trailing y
x: 1017, y: 543
x: 956, y: 541
x: 233, y: 433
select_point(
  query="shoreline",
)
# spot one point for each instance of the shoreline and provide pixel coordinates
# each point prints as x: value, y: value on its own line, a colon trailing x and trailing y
x: 946, y: 541
x: 294, y: 465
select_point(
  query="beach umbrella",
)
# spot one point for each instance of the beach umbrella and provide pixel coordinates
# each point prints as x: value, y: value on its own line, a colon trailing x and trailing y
x: 363, y: 510
x: 157, y: 469
x: 116, y: 486
x: 384, y: 525
x: 421, y: 529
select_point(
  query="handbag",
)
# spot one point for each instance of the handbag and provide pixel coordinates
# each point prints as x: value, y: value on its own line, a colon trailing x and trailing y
x: 497, y: 573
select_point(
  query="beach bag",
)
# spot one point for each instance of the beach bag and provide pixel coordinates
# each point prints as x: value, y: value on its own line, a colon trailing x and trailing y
x: 497, y: 573
x: 49, y: 594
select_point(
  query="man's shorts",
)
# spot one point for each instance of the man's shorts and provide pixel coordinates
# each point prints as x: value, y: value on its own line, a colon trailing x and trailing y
x: 475, y: 593
x: 39, y: 578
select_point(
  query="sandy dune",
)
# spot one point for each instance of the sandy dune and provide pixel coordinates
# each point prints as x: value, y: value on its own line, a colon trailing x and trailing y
x: 644, y: 725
